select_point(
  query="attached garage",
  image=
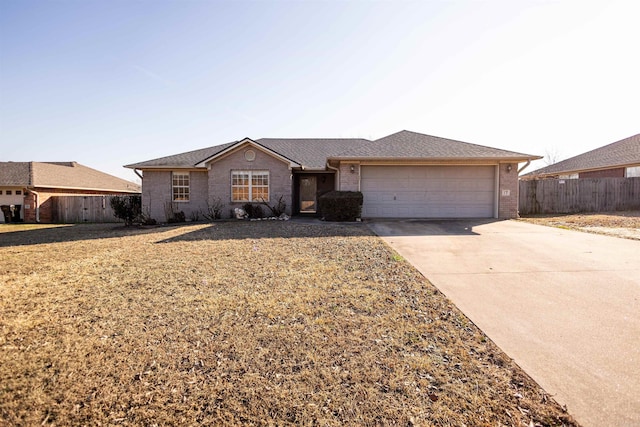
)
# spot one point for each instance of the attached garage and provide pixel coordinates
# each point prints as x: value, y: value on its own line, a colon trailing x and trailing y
x: 428, y: 191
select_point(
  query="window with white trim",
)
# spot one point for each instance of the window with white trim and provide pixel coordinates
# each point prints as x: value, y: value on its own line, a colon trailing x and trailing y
x: 180, y: 186
x: 632, y: 172
x: 249, y: 186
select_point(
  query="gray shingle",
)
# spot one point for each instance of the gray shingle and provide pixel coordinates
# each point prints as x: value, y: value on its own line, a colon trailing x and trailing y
x: 413, y: 145
x: 15, y: 174
x: 621, y: 153
x: 70, y: 175
x: 188, y: 159
x: 311, y: 153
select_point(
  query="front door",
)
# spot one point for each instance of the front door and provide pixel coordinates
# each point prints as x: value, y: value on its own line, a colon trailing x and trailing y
x: 308, y: 191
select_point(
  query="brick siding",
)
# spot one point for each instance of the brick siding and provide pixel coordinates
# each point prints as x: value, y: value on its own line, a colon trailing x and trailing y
x: 157, y: 195
x: 349, y: 181
x: 607, y: 173
x: 508, y: 182
x: 280, y: 178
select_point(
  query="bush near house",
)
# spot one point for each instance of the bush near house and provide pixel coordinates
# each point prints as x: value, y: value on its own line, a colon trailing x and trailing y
x: 126, y: 208
x: 341, y: 205
x: 254, y: 211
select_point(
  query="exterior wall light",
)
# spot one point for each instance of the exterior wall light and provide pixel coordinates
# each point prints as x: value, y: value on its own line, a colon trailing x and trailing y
x: 509, y: 167
x: 353, y: 169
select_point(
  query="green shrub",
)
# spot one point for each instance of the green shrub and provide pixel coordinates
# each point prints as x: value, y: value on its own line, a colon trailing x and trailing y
x: 127, y: 208
x: 341, y: 205
x: 254, y: 211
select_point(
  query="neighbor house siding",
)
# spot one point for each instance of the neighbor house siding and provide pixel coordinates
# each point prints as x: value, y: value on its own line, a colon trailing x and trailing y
x: 508, y: 183
x: 605, y: 173
x: 40, y: 206
x: 280, y: 178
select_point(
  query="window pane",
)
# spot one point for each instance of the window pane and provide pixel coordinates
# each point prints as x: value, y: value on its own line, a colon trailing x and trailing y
x: 240, y: 194
x: 249, y: 186
x: 260, y: 193
x: 180, y: 186
x: 240, y: 179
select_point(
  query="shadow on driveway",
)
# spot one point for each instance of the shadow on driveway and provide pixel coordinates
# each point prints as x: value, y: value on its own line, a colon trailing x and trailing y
x: 425, y: 227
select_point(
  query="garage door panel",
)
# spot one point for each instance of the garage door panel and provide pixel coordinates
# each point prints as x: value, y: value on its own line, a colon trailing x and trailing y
x: 428, y: 191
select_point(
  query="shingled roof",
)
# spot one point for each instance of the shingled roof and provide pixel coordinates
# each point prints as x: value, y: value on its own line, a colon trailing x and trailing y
x: 309, y: 152
x: 67, y: 175
x: 623, y: 153
x: 182, y: 160
x: 314, y: 153
x: 405, y: 145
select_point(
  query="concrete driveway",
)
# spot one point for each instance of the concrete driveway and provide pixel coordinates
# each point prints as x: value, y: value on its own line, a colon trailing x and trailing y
x: 565, y: 305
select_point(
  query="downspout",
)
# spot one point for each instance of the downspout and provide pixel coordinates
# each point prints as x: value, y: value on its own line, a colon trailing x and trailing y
x: 137, y: 173
x: 36, y: 205
x: 524, y: 167
x: 337, y: 175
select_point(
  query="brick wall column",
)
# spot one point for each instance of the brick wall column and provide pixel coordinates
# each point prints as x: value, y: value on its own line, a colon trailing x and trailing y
x: 349, y: 181
x: 508, y: 191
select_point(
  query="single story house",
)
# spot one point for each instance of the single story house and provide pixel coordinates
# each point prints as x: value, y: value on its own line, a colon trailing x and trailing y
x: 29, y: 186
x: 620, y: 159
x: 403, y: 175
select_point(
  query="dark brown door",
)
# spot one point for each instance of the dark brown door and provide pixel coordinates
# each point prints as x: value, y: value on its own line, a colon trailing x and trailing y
x: 308, y: 190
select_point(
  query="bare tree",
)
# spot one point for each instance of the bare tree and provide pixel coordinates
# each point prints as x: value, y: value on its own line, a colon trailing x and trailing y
x: 552, y: 155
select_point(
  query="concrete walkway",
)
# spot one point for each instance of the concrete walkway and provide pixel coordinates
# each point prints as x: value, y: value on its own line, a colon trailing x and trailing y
x: 565, y: 305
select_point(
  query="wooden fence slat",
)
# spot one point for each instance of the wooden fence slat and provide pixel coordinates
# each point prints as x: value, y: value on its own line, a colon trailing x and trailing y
x: 553, y: 196
x: 75, y: 209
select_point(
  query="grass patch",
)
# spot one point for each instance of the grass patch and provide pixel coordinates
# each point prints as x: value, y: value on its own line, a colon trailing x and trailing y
x: 255, y: 323
x: 624, y: 224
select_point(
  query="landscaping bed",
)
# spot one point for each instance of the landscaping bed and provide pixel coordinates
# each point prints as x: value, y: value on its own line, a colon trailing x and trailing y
x: 624, y: 224
x: 252, y: 323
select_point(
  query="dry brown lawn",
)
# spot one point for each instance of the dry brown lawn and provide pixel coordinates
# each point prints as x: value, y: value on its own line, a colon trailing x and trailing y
x: 620, y: 224
x: 241, y: 323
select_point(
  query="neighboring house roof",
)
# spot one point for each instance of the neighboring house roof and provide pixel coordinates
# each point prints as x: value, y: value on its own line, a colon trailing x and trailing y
x: 67, y: 175
x: 15, y: 174
x: 313, y: 153
x: 412, y: 145
x: 623, y: 153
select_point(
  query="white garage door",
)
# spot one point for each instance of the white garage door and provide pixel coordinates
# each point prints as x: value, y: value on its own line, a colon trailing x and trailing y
x: 428, y: 191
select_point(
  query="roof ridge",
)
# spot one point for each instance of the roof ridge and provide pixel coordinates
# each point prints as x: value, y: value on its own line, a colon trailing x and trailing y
x: 452, y: 140
x: 315, y: 139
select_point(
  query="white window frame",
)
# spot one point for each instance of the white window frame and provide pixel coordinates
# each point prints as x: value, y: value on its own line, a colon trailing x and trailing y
x: 252, y: 187
x: 632, y: 172
x: 181, y: 188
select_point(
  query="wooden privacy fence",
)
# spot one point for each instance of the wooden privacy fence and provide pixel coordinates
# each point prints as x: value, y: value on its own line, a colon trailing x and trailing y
x: 74, y: 209
x: 551, y: 196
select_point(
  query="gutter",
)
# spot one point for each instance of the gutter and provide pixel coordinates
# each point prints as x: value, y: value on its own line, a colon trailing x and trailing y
x: 337, y: 175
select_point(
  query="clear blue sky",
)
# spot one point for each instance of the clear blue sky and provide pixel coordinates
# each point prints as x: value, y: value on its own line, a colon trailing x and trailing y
x: 107, y: 83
